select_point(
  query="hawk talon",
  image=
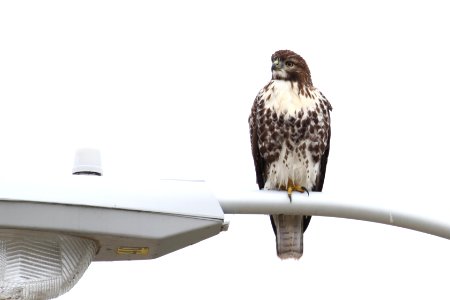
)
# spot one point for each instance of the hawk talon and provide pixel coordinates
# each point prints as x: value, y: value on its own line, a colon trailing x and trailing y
x: 297, y: 188
x: 289, y: 190
x: 305, y: 190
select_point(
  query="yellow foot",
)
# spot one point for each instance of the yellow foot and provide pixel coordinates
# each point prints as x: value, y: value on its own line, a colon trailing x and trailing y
x: 298, y: 188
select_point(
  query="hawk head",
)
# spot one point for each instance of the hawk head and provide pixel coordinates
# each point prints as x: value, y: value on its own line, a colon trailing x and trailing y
x: 288, y: 65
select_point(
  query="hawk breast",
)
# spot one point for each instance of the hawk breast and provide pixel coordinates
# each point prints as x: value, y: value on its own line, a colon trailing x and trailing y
x: 292, y: 133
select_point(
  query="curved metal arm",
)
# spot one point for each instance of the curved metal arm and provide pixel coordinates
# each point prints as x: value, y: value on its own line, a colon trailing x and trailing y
x: 321, y: 204
x: 199, y: 199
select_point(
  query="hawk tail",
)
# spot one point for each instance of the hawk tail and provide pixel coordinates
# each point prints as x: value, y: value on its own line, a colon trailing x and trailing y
x: 289, y: 235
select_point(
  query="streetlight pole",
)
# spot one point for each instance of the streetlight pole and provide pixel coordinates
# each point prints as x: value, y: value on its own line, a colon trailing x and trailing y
x: 329, y: 205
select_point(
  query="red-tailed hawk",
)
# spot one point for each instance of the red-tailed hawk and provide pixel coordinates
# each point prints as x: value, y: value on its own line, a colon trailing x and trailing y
x: 290, y: 138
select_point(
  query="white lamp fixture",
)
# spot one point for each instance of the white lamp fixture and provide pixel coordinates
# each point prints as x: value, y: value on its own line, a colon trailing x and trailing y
x: 51, y: 230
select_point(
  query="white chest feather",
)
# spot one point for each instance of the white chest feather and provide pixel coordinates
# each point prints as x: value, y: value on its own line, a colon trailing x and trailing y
x: 285, y: 98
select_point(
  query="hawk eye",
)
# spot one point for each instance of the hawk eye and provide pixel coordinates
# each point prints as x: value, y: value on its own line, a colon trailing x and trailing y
x: 289, y: 63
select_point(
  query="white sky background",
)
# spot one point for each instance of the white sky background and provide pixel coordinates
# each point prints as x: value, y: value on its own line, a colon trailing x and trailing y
x: 164, y: 89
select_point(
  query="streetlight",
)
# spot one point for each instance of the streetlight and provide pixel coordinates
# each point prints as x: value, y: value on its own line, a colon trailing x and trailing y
x: 50, y: 230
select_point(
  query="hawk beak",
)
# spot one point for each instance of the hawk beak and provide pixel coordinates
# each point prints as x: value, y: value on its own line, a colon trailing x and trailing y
x: 276, y: 66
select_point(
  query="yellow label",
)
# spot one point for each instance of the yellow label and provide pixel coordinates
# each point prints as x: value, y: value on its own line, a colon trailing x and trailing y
x: 132, y: 250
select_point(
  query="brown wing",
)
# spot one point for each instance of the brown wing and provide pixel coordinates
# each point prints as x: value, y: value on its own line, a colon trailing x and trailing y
x: 258, y: 160
x: 323, y: 168
x: 324, y: 160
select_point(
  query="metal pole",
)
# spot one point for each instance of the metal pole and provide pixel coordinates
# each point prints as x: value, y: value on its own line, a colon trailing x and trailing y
x: 322, y: 204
